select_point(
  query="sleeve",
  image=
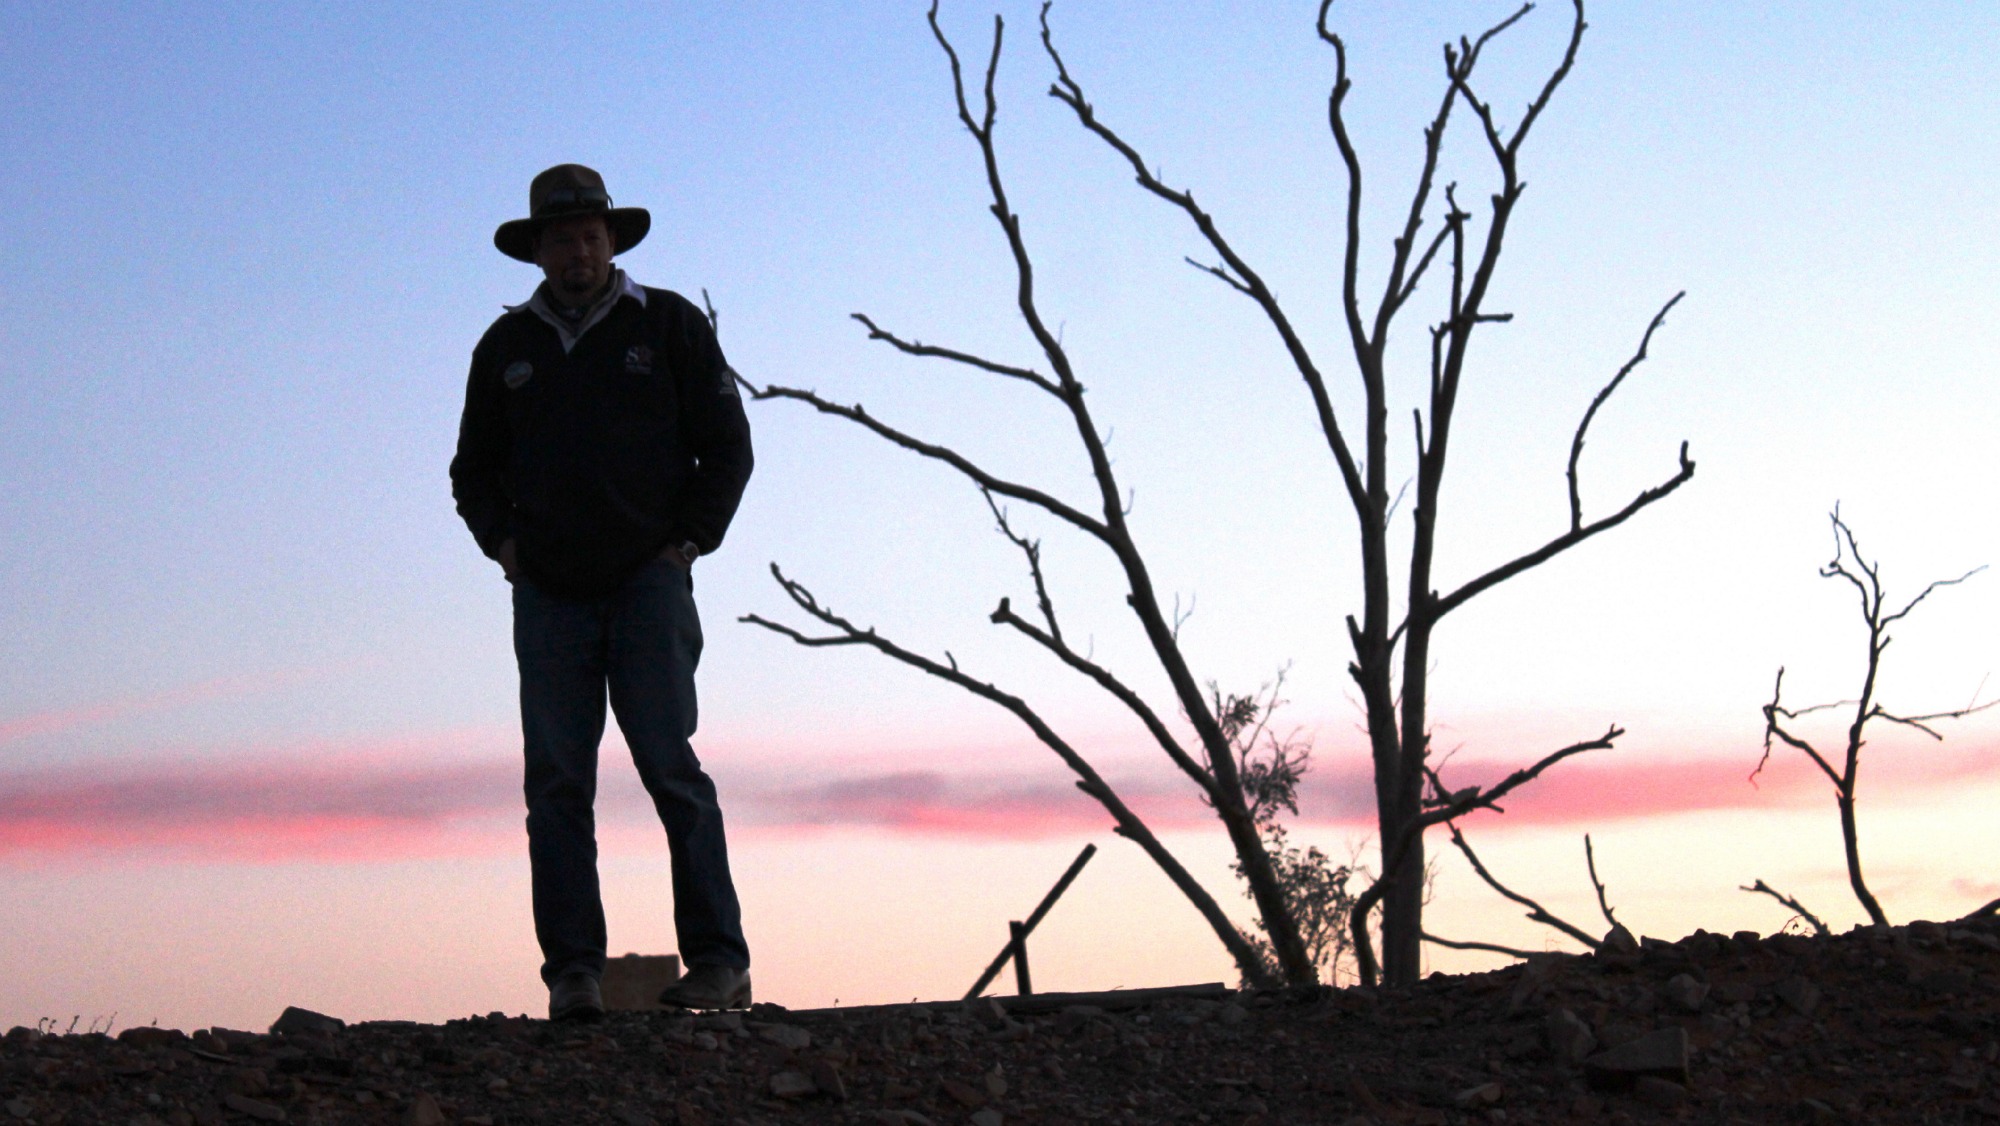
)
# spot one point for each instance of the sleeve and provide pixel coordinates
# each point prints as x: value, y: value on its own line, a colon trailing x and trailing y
x: 478, y: 470
x: 714, y: 428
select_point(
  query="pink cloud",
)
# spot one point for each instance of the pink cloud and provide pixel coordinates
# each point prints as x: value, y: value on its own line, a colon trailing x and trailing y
x: 64, y: 719
x: 459, y: 793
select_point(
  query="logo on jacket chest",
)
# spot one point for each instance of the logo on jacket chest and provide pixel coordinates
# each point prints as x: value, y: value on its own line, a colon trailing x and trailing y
x: 639, y: 360
x: 517, y: 373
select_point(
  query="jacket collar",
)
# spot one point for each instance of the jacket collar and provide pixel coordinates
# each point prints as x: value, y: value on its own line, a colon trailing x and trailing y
x: 571, y: 331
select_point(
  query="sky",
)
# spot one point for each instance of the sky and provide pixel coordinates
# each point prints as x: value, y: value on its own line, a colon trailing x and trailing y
x: 258, y: 744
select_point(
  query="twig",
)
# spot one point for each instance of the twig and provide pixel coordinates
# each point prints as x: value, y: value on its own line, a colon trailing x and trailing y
x: 918, y: 348
x: 1536, y: 912
x: 1461, y: 944
x: 1576, y: 443
x: 1590, y: 862
x: 1797, y: 908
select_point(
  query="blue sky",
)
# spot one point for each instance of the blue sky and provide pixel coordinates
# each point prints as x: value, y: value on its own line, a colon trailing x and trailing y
x: 247, y: 251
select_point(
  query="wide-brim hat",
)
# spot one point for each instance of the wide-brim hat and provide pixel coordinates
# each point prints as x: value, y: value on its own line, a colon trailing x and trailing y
x: 563, y: 192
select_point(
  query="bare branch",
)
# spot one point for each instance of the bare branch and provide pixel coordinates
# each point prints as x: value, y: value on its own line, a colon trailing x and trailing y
x: 1912, y: 604
x: 1458, y: 944
x: 1536, y: 912
x: 1774, y: 729
x: 980, y: 477
x: 1797, y: 908
x: 1576, y: 443
x: 1127, y: 824
x: 1223, y: 273
x: 1005, y: 615
x: 1590, y: 863
x: 1032, y: 549
x: 1448, y: 807
x: 1564, y: 542
x: 918, y: 348
x: 1066, y: 90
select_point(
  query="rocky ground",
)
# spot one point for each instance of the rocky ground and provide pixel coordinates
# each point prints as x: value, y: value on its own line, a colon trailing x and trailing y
x: 1896, y: 1026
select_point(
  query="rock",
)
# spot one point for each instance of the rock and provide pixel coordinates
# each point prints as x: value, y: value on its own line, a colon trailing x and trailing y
x: 296, y: 1020
x: 996, y: 1082
x: 1486, y: 1094
x: 632, y: 983
x: 705, y: 1041
x: 688, y: 1114
x: 1620, y: 941
x: 1734, y: 993
x: 964, y: 1094
x: 423, y: 1111
x: 895, y: 1089
x: 720, y: 1022
x: 793, y: 1085
x: 987, y: 1117
x: 826, y: 1077
x: 1663, y: 1093
x: 1662, y: 1054
x: 254, y: 1108
x: 1800, y: 994
x: 20, y: 1108
x: 1570, y: 1039
x: 151, y: 1037
x: 1948, y: 983
x: 786, y: 1036
x: 1685, y: 992
x: 1232, y: 1013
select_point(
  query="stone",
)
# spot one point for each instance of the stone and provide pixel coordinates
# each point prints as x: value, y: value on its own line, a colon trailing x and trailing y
x: 296, y: 1020
x: 826, y: 1077
x: 1620, y: 941
x: 1800, y: 994
x: 996, y: 1082
x: 688, y: 1114
x: 1232, y: 1013
x: 20, y: 1108
x: 964, y: 1094
x: 1662, y: 1054
x: 789, y: 1036
x: 705, y: 1041
x: 146, y: 1037
x: 1685, y: 992
x: 632, y: 982
x: 987, y: 1117
x: 1663, y: 1093
x: 1734, y: 993
x: 1570, y: 1039
x: 423, y: 1111
x: 793, y: 1085
x: 896, y: 1089
x: 1486, y: 1094
x: 254, y: 1108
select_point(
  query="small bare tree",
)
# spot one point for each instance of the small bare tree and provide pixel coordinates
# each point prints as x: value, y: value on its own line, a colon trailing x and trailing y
x: 1850, y: 566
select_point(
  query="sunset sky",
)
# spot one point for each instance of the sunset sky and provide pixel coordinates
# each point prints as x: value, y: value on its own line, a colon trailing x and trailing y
x: 258, y: 743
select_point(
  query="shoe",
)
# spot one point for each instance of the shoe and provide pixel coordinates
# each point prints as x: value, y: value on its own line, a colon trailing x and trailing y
x: 710, y: 987
x: 575, y: 997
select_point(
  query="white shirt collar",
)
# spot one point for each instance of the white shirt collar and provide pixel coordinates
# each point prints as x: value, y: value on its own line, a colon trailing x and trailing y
x: 569, y: 332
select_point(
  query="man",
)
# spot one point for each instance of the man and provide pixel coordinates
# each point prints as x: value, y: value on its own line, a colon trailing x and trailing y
x: 603, y: 449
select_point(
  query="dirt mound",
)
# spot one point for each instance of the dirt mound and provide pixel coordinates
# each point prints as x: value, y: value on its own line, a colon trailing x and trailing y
x: 1888, y: 1026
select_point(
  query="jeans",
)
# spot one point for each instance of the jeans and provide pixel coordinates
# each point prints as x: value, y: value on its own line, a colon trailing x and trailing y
x: 640, y: 644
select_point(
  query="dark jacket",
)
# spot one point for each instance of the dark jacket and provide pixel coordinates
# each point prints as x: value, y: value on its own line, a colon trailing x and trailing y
x: 595, y: 459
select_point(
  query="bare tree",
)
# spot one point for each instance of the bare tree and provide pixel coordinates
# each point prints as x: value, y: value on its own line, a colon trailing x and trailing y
x: 1850, y: 566
x: 1391, y: 648
x: 1393, y: 685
